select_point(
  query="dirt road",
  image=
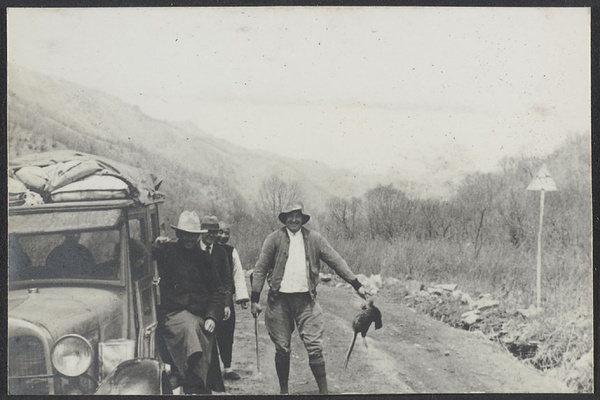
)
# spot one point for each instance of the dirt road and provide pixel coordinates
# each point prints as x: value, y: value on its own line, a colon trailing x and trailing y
x: 412, y: 353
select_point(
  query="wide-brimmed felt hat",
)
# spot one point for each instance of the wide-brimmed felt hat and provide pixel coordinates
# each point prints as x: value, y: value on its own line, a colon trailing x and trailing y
x: 210, y: 223
x: 189, y: 222
x: 295, y: 206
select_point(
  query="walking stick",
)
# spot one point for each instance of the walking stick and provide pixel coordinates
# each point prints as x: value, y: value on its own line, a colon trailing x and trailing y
x: 255, y: 331
x: 256, y: 336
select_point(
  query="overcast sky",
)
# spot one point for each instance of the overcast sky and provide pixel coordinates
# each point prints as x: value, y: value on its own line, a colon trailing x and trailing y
x: 369, y: 88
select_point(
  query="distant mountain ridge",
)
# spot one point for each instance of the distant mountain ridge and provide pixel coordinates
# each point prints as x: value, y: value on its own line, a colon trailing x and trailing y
x: 94, y: 115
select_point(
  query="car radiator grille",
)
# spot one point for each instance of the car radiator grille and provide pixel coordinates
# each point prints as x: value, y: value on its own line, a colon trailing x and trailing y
x: 26, y: 366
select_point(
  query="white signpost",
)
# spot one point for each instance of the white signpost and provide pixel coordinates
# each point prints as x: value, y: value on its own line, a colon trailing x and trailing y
x: 544, y: 183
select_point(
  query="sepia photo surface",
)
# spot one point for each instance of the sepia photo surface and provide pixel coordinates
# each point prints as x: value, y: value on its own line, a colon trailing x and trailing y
x: 441, y: 154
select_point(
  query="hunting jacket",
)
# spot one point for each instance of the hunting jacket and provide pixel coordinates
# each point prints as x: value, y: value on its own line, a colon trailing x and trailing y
x: 274, y: 254
x: 189, y: 280
x: 221, y: 260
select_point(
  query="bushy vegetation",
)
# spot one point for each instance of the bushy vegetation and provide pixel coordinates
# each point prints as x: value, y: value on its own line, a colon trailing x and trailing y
x: 485, y: 240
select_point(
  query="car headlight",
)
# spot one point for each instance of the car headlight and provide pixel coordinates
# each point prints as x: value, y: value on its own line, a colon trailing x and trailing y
x: 72, y: 355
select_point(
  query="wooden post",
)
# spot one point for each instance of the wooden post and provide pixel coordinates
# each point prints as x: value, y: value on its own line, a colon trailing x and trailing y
x: 539, y: 253
x: 544, y: 183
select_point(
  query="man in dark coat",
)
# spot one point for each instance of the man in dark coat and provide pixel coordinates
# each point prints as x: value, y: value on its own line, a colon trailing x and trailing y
x: 192, y: 303
x: 209, y: 243
x: 226, y: 330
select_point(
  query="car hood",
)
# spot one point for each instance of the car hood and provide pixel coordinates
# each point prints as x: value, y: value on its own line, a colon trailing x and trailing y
x: 62, y: 310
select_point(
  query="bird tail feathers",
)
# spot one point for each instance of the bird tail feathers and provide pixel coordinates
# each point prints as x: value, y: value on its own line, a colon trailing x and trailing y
x: 350, y: 350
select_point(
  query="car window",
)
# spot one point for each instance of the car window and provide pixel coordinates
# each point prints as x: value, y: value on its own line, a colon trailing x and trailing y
x: 64, y: 221
x: 67, y: 255
x: 135, y: 229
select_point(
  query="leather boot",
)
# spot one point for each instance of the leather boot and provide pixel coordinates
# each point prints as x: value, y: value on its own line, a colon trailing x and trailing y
x: 282, y: 366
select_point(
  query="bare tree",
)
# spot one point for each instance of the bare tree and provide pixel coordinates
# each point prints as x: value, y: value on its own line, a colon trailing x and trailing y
x: 273, y: 196
x: 238, y: 212
x: 388, y: 211
x: 476, y: 198
x: 344, y: 216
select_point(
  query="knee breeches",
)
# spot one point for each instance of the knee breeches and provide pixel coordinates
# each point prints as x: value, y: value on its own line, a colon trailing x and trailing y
x: 288, y: 310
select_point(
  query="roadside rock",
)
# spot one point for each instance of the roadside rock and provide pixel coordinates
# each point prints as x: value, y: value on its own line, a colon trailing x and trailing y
x: 413, y: 286
x: 420, y: 293
x: 448, y: 287
x: 442, y: 289
x: 376, y: 280
x: 465, y: 298
x: 369, y: 283
x: 471, y: 317
x: 530, y: 312
x: 325, y: 277
x: 392, y: 282
x: 435, y: 290
x: 486, y: 303
x: 457, y: 294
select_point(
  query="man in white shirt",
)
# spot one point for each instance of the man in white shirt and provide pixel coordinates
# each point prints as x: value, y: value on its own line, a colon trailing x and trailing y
x: 290, y: 260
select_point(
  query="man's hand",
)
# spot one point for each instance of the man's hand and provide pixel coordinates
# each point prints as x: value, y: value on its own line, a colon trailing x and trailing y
x: 362, y: 292
x: 244, y: 304
x: 255, y: 309
x: 161, y: 239
x: 227, y: 313
x: 209, y: 325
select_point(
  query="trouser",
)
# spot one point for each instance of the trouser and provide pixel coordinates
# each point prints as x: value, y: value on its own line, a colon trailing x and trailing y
x: 284, y: 312
x: 192, y: 350
x: 225, y: 331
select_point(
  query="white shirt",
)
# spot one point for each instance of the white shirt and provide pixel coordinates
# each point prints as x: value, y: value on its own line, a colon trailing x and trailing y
x: 294, y: 278
x: 203, y: 247
x: 239, y: 277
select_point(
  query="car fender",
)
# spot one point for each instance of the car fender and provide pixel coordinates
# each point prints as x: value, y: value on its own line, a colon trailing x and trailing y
x: 141, y: 376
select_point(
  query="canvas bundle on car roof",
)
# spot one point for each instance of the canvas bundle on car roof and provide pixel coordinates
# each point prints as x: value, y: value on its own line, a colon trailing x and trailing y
x: 64, y: 176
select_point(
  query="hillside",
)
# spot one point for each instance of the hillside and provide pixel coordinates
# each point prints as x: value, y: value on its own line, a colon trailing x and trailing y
x: 46, y: 113
x: 213, y: 175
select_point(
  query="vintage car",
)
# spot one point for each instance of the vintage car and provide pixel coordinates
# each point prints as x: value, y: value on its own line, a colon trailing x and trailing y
x: 82, y: 288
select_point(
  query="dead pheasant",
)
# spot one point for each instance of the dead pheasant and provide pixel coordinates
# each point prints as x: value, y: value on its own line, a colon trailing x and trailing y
x: 361, y: 324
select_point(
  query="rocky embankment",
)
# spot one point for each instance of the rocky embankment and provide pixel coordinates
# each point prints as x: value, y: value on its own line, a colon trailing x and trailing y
x: 519, y: 330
